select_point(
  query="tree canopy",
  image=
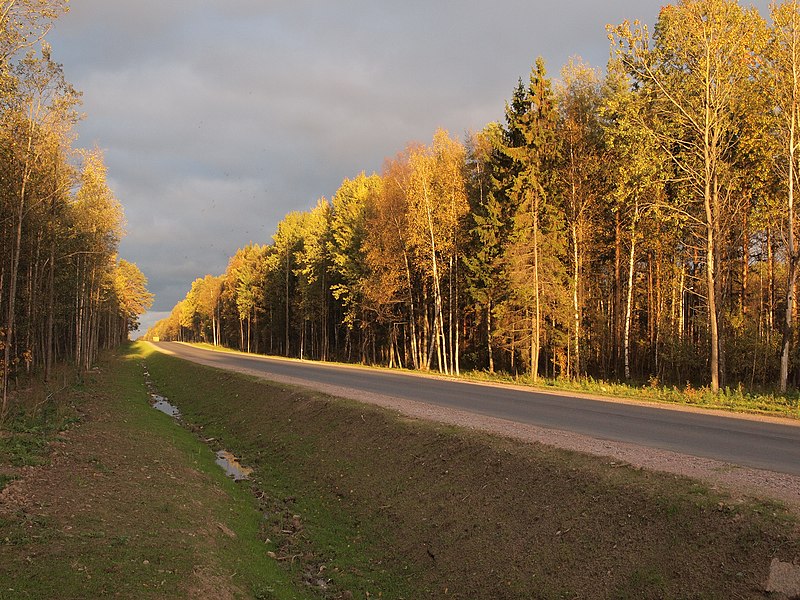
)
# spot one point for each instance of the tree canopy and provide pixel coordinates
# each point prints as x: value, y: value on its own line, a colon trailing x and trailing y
x: 633, y: 224
x: 64, y: 292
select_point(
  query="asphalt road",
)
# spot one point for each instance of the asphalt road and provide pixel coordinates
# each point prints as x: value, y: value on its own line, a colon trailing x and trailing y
x: 763, y: 444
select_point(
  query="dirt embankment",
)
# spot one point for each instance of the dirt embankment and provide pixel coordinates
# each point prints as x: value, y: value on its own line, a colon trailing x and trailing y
x: 738, y: 480
x: 391, y: 505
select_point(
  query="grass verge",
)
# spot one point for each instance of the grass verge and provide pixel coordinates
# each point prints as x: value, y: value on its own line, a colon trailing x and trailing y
x: 127, y: 504
x: 363, y: 503
x: 730, y: 399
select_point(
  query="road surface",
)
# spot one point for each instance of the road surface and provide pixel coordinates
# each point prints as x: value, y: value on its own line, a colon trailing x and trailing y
x: 758, y: 443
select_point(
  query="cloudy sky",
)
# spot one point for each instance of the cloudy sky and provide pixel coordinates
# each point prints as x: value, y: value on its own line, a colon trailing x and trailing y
x: 217, y: 117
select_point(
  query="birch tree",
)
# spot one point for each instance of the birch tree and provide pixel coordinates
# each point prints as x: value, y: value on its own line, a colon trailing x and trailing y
x: 24, y: 23
x: 131, y: 295
x: 694, y: 70
x: 98, y: 227
x: 437, y: 203
x: 42, y: 105
x: 389, y: 255
x: 347, y: 250
x: 635, y: 177
x: 784, y: 77
x: 579, y: 177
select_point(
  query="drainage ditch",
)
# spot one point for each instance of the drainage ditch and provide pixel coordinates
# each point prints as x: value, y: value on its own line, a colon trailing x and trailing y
x: 226, y: 460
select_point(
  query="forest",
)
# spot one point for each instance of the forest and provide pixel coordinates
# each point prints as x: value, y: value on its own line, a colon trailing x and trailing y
x: 64, y: 292
x: 635, y: 223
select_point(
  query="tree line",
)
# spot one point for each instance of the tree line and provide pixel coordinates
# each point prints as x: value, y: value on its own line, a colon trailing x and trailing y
x: 64, y: 293
x: 632, y: 225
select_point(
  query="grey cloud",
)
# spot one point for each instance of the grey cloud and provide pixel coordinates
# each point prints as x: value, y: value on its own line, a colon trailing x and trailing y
x: 218, y: 117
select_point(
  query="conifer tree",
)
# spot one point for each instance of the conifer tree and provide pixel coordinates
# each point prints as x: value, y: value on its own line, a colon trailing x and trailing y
x: 531, y: 191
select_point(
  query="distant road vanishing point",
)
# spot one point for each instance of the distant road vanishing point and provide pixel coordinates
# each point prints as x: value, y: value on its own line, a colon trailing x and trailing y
x: 759, y: 443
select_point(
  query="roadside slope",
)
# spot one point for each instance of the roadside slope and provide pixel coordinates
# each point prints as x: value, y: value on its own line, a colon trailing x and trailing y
x: 385, y: 504
x: 676, y: 440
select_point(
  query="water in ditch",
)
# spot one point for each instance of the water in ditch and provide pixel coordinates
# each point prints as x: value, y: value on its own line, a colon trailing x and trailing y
x: 226, y: 460
x: 230, y: 464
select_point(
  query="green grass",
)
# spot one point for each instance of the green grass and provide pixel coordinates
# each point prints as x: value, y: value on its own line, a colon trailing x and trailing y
x: 26, y: 435
x: 347, y: 499
x: 150, y: 509
x: 5, y: 480
x: 330, y: 542
x: 730, y: 399
x: 244, y: 555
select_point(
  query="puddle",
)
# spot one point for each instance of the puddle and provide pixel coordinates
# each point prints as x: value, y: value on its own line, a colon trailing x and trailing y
x: 158, y: 401
x: 161, y: 403
x: 227, y: 461
x: 230, y: 464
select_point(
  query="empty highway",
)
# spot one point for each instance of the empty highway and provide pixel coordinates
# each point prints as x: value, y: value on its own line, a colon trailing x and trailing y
x: 759, y: 443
